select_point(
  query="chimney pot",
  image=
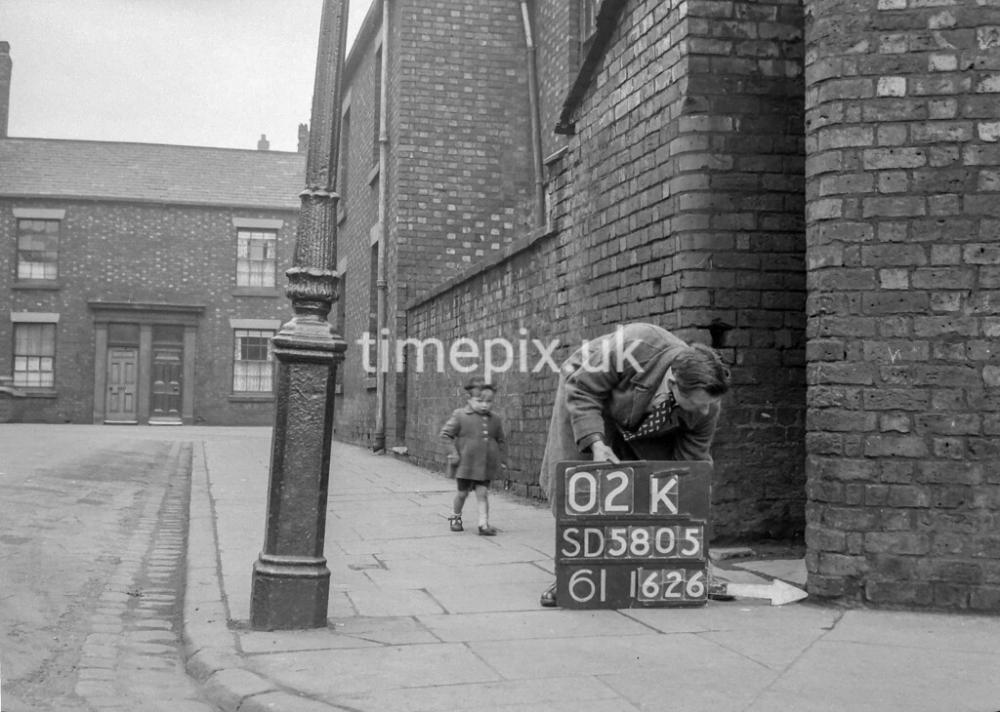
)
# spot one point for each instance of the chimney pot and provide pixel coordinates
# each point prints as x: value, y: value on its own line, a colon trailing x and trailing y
x: 263, y: 144
x: 303, y: 138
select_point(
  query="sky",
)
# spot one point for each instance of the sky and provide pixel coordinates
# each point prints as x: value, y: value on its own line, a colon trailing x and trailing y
x: 190, y: 72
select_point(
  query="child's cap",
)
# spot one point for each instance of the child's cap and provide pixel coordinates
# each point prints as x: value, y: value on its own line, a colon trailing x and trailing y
x: 477, y: 383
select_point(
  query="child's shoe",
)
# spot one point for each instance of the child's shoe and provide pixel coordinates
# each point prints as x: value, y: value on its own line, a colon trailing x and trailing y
x: 487, y: 530
x: 455, y: 523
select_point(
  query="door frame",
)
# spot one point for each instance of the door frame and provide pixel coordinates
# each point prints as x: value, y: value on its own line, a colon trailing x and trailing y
x: 146, y: 315
x: 107, y: 365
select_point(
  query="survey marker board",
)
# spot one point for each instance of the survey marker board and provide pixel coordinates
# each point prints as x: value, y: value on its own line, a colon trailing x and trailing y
x: 632, y: 534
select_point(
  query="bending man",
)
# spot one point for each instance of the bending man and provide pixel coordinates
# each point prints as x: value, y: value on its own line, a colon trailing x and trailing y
x: 638, y: 393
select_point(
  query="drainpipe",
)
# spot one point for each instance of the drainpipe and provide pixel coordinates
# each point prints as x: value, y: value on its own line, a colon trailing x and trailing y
x: 536, y: 136
x: 382, y: 281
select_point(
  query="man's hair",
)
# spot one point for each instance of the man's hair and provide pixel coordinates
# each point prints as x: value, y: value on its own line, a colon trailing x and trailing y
x: 700, y: 367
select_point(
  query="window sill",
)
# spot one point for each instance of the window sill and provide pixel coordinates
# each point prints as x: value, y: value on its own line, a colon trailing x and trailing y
x: 271, y: 292
x: 30, y: 392
x: 50, y: 284
x: 251, y: 397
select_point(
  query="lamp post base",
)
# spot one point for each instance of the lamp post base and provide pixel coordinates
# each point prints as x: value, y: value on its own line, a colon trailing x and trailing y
x: 289, y: 593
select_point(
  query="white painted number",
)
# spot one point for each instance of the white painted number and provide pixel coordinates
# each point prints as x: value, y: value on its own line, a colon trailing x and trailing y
x: 617, y: 541
x: 695, y: 586
x: 651, y: 586
x: 670, y: 585
x: 666, y: 540
x: 610, y: 505
x: 692, y: 537
x: 582, y: 587
x: 573, y: 488
x: 640, y: 541
x: 603, y: 492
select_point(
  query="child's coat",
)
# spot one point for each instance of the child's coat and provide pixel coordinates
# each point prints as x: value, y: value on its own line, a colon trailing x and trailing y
x: 480, y: 441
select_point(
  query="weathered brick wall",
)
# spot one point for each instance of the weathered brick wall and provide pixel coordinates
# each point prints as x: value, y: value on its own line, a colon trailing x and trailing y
x: 902, y: 209
x: 512, y: 301
x: 142, y: 253
x: 557, y: 56
x: 459, y: 173
x: 461, y: 148
x: 736, y: 275
x: 672, y: 205
x: 354, y: 415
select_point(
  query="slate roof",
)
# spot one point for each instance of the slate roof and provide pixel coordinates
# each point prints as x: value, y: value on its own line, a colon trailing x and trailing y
x: 159, y: 173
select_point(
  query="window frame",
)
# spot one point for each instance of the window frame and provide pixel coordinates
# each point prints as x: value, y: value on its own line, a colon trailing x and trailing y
x: 262, y: 235
x: 239, y: 335
x: 45, y: 327
x: 20, y: 261
x: 587, y: 25
x: 343, y: 162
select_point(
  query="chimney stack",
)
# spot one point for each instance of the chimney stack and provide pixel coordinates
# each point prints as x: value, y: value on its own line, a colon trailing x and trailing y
x: 263, y: 144
x: 303, y: 138
x: 6, y: 65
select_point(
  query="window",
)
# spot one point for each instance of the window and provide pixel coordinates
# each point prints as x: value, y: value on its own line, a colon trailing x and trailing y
x: 253, y: 362
x: 34, y: 355
x: 37, y: 249
x: 341, y: 187
x: 341, y: 327
x: 255, y: 263
x: 373, y: 324
x: 377, y: 102
x: 588, y: 24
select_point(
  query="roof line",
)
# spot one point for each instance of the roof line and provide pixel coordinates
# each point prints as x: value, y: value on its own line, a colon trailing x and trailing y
x: 140, y: 143
x: 148, y: 201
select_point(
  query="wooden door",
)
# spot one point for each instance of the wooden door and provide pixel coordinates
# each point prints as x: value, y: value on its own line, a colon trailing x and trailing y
x: 120, y: 406
x: 166, y: 397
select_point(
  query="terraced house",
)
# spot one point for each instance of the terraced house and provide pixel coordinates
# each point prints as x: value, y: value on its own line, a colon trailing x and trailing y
x: 141, y: 283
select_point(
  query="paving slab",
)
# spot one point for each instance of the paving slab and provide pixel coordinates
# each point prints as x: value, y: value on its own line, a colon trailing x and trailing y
x: 328, y: 674
x: 425, y: 620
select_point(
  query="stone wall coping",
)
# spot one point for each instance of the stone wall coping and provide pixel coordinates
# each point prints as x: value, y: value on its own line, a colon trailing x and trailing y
x: 520, y: 245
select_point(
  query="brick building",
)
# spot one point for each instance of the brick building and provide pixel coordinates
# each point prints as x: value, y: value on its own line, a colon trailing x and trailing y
x: 808, y: 186
x: 141, y: 283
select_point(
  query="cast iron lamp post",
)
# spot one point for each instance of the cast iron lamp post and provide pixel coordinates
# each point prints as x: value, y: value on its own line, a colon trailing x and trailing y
x: 291, y: 582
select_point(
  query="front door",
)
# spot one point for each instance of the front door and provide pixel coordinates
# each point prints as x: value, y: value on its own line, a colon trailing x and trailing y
x: 166, y: 400
x: 120, y: 406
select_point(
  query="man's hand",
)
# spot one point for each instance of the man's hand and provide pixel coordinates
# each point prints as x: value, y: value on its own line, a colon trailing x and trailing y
x: 601, y: 452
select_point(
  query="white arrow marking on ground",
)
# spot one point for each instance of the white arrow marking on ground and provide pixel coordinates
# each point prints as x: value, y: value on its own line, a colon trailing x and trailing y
x: 778, y: 591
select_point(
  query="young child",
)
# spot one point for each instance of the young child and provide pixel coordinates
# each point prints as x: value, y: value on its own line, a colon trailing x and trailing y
x: 479, y: 451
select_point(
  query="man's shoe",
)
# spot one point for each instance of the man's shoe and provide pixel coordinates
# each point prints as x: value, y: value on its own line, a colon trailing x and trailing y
x: 548, y: 597
x: 455, y: 523
x: 718, y: 591
x: 487, y: 531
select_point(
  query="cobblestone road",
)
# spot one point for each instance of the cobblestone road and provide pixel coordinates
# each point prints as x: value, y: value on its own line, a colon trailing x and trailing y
x: 92, y: 542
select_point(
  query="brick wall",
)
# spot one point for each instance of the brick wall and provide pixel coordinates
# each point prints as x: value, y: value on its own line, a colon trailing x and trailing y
x: 902, y: 209
x: 510, y: 301
x: 355, y: 405
x: 677, y: 202
x: 119, y: 252
x: 459, y: 173
x: 736, y: 274
x: 461, y: 149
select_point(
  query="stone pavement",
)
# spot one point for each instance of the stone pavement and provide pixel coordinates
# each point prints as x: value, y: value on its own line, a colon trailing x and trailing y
x: 421, y: 618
